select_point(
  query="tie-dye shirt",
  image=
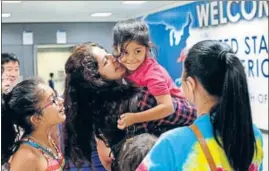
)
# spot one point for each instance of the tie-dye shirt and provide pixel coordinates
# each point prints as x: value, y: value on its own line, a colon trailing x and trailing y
x: 179, y: 149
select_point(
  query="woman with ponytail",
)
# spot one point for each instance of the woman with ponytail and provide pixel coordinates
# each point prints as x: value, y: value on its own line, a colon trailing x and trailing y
x: 30, y: 111
x: 214, y: 80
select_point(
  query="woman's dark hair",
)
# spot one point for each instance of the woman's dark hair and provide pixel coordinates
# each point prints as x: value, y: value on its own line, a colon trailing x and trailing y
x: 17, y: 108
x: 134, y: 150
x: 91, y: 104
x: 131, y: 30
x: 221, y: 73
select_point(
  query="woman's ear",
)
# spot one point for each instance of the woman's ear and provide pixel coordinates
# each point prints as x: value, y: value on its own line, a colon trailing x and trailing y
x: 36, y: 119
x: 191, y: 83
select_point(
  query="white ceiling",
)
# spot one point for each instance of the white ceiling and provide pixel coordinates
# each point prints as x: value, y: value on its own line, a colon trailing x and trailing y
x: 79, y: 11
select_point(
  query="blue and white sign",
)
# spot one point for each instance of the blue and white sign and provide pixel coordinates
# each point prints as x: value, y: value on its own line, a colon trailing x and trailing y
x: 241, y: 24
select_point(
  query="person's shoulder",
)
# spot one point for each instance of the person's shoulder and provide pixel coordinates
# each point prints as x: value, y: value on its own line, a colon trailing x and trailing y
x: 178, y: 132
x: 20, y: 159
x: 145, y: 99
x: 154, y: 74
x: 257, y: 132
x: 24, y: 149
x: 154, y: 66
x: 258, y: 158
x: 178, y: 136
x: 149, y: 66
x: 145, y: 95
x: 178, y: 141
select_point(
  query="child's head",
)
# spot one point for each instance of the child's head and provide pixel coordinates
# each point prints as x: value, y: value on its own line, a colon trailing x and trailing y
x: 134, y: 150
x: 31, y: 105
x: 10, y: 67
x: 131, y: 42
x: 51, y: 75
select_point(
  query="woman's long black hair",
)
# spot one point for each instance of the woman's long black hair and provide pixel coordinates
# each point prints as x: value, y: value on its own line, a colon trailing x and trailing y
x: 91, y: 103
x: 221, y: 73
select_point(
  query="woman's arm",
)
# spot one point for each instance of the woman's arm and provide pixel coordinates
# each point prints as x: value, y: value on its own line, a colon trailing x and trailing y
x: 103, y: 153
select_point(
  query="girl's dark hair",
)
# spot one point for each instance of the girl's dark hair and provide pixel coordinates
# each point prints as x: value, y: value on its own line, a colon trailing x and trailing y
x: 131, y: 30
x: 221, y: 73
x: 134, y: 150
x: 17, y: 108
x: 92, y: 104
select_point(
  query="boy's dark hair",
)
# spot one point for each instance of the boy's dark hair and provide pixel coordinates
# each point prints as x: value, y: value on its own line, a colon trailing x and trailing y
x: 8, y: 57
x: 51, y: 75
x: 134, y: 150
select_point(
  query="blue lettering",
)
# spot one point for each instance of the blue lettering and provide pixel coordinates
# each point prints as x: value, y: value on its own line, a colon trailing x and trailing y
x: 248, y: 47
x: 263, y: 45
x: 250, y: 67
x: 233, y: 44
x: 254, y: 43
x: 257, y: 67
x: 262, y: 68
x: 254, y: 68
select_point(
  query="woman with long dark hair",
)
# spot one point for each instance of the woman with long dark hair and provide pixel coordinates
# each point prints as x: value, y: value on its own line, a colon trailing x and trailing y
x: 223, y: 136
x: 95, y: 96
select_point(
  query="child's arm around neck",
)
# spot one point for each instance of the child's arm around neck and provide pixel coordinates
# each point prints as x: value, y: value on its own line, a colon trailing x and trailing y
x: 163, y: 109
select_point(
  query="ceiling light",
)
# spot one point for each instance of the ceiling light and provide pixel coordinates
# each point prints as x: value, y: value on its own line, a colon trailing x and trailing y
x: 11, y: 2
x: 101, y: 14
x: 133, y: 2
x: 4, y: 15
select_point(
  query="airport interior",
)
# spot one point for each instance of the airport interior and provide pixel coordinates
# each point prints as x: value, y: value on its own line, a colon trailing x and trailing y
x: 134, y: 85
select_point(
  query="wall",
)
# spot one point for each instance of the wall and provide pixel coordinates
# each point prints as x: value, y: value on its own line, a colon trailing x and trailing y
x: 59, y: 57
x: 45, y: 33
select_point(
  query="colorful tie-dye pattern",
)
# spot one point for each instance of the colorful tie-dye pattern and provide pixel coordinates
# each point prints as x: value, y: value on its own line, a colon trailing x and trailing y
x: 179, y: 150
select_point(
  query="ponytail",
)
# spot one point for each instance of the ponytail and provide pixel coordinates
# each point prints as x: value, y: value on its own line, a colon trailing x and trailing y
x: 232, y: 121
x: 9, y: 133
